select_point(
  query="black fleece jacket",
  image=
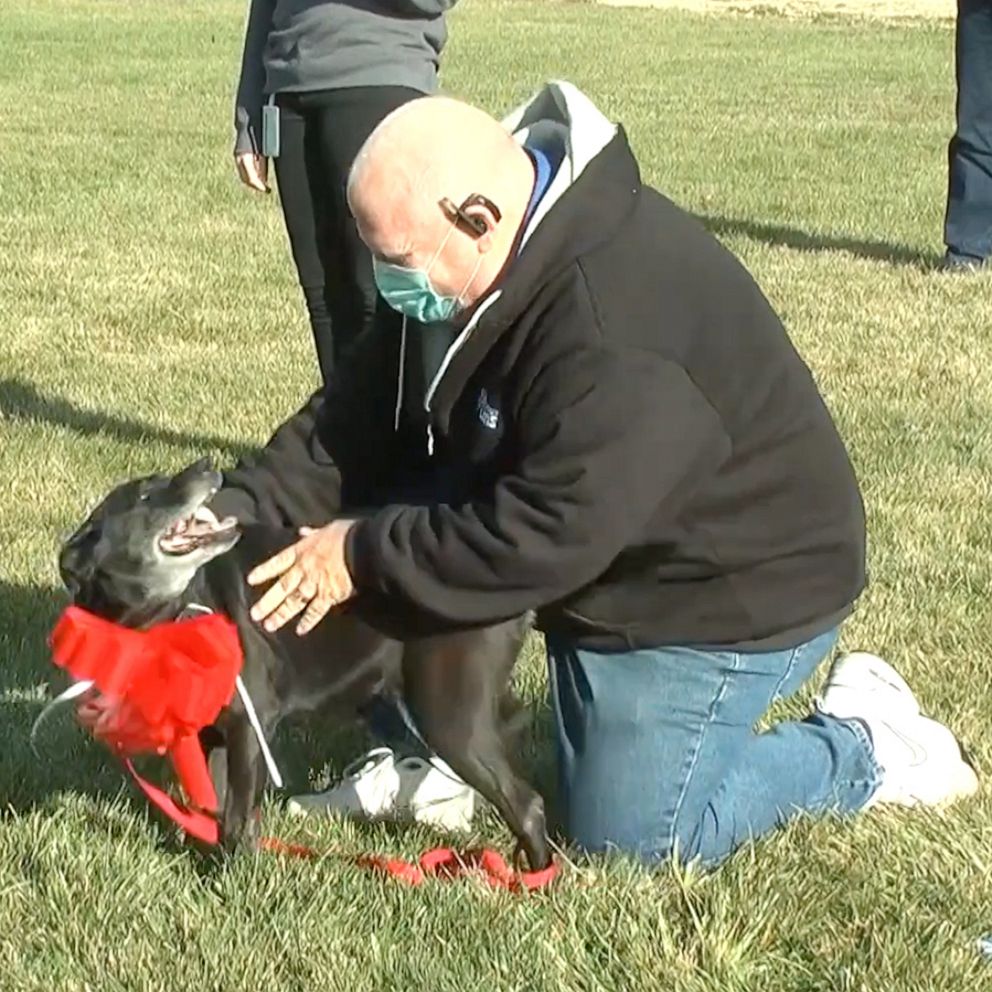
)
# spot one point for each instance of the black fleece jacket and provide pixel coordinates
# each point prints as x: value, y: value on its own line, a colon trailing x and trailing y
x: 627, y: 442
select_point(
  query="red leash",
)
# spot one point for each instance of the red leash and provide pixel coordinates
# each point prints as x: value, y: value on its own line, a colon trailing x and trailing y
x: 440, y: 862
x: 169, y: 682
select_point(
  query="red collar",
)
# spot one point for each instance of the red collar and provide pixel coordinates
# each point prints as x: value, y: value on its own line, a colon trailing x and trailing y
x: 170, y: 682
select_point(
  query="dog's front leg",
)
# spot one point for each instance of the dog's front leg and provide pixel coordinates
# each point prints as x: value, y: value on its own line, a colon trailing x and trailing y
x: 246, y: 776
x: 212, y: 742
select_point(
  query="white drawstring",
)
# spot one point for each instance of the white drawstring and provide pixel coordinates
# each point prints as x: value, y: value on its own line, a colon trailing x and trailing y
x: 270, y: 762
x: 256, y: 725
x: 399, y: 377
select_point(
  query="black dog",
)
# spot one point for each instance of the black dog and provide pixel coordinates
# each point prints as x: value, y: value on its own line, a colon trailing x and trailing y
x: 151, y: 548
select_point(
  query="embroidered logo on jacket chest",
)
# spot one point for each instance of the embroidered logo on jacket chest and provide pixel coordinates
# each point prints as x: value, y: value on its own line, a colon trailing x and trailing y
x: 488, y: 414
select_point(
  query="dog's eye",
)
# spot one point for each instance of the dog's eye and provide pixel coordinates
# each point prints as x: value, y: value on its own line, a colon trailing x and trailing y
x: 143, y: 497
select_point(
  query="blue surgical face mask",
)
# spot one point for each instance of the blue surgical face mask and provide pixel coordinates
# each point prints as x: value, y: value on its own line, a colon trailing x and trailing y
x: 411, y: 292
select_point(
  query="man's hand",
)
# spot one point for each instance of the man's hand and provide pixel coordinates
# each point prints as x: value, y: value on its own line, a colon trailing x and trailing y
x: 312, y: 575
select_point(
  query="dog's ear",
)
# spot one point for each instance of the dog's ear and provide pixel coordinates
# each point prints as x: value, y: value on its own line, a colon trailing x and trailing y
x: 199, y: 466
x: 77, y: 563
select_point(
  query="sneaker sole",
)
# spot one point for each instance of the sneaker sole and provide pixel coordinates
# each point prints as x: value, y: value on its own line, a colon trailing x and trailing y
x: 325, y: 810
x: 454, y: 812
x: 964, y: 780
x: 293, y: 808
x: 958, y: 782
x: 963, y: 786
x: 438, y: 813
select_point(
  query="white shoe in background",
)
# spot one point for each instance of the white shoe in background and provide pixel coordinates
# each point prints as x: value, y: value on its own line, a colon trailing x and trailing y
x: 367, y: 789
x: 378, y: 785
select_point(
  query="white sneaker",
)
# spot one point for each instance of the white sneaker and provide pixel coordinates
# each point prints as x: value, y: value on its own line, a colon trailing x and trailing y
x: 921, y: 760
x: 367, y: 789
x: 434, y: 794
x: 378, y: 785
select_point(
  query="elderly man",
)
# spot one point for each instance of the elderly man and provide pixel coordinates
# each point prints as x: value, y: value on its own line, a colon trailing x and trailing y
x: 591, y: 411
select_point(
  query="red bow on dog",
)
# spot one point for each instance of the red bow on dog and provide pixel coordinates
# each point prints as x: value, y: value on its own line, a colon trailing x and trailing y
x: 162, y: 687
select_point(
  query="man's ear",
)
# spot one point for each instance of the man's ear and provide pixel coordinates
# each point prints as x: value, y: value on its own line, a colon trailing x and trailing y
x: 485, y: 222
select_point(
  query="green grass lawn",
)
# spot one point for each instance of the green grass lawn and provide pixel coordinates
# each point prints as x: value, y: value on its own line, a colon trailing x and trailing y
x: 149, y: 314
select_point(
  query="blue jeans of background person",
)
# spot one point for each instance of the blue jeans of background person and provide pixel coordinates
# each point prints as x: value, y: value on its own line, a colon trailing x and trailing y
x: 968, y: 223
x: 657, y: 751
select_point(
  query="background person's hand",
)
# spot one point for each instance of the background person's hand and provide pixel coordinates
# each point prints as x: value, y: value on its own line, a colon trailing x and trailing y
x: 253, y: 171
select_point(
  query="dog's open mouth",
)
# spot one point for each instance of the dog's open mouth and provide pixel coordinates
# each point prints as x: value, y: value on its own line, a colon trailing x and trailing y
x: 199, y: 530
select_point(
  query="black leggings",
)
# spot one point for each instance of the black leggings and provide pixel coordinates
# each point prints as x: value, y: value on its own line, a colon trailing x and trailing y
x: 321, y: 133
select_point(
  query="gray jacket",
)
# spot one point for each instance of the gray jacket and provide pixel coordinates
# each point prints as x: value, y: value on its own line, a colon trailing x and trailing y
x: 301, y: 45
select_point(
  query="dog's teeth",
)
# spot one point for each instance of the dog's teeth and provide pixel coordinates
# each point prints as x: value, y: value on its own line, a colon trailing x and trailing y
x: 205, y: 516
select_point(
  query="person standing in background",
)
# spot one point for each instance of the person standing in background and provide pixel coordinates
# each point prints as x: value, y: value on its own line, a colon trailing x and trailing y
x: 968, y: 222
x: 322, y: 74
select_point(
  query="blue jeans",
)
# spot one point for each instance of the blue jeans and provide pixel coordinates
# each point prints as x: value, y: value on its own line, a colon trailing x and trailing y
x: 968, y: 223
x: 657, y: 751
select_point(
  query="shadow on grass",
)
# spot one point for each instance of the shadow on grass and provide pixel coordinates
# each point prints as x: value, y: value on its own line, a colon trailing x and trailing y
x: 790, y: 237
x: 66, y: 761
x: 21, y: 400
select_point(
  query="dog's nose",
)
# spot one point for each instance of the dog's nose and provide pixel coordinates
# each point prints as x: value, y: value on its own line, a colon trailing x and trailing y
x: 199, y: 467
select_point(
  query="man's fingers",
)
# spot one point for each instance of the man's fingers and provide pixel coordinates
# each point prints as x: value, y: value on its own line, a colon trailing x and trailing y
x: 315, y: 612
x: 276, y: 565
x: 293, y: 604
x: 280, y: 591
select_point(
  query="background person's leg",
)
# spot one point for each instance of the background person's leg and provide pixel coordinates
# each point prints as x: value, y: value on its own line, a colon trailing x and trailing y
x: 303, y: 198
x: 657, y: 749
x: 387, y: 724
x: 968, y: 222
x: 348, y: 117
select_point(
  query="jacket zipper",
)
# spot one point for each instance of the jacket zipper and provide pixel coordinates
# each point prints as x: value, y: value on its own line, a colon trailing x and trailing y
x: 453, y: 350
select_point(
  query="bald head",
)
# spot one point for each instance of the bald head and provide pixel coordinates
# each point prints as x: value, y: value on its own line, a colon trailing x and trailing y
x: 425, y: 157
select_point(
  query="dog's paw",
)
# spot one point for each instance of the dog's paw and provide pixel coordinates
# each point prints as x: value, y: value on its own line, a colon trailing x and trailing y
x: 240, y: 837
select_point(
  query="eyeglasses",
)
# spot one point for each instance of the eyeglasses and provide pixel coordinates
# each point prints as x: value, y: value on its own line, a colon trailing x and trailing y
x: 470, y: 224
